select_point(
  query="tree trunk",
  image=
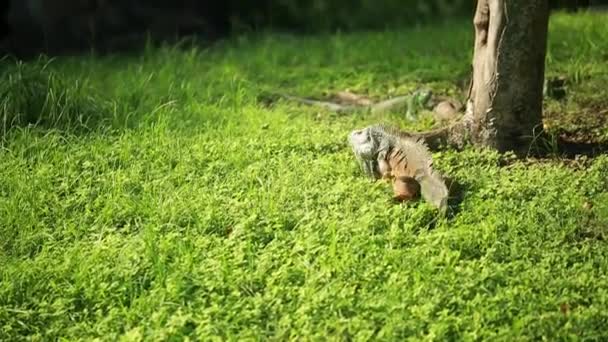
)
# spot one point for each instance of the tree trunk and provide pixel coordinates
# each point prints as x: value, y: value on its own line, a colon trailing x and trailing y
x: 504, y: 108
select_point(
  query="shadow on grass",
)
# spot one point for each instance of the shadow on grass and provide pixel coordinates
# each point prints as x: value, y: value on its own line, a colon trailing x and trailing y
x: 571, y: 149
x: 567, y: 147
x: 457, y: 192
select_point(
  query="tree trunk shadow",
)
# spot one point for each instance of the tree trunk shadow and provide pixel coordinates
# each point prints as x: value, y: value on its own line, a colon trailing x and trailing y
x: 564, y: 147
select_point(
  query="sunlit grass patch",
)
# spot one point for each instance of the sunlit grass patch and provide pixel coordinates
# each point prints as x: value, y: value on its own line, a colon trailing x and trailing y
x: 157, y: 197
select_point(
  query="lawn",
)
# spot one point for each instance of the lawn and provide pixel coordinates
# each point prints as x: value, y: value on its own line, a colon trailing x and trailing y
x: 159, y: 196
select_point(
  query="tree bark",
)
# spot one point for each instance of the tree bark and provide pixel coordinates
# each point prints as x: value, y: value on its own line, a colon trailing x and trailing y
x: 504, y: 106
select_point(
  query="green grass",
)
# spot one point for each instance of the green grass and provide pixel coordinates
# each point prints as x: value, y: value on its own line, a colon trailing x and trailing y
x: 156, y: 197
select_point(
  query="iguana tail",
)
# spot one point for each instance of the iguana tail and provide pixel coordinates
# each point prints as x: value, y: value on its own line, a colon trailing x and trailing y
x: 434, y: 190
x: 420, y: 163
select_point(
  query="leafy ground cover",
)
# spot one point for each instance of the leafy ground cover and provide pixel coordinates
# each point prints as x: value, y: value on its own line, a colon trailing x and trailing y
x: 159, y: 197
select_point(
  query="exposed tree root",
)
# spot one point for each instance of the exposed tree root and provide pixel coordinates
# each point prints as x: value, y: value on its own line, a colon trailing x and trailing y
x: 456, y: 136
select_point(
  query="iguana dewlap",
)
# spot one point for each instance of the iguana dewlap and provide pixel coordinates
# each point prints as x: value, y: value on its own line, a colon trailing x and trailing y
x: 394, y: 168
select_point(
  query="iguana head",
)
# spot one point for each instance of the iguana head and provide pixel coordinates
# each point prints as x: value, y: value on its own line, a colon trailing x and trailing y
x: 363, y: 143
x: 421, y: 97
x: 369, y: 145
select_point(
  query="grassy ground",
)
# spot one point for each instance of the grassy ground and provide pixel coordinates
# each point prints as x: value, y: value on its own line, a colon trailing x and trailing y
x: 159, y: 197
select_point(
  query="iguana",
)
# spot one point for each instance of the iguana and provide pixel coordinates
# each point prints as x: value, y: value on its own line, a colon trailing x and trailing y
x: 416, y: 101
x: 443, y: 108
x: 384, y: 152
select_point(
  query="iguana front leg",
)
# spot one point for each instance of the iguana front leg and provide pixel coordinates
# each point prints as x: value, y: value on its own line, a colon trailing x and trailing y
x: 371, y: 170
x: 385, y: 169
